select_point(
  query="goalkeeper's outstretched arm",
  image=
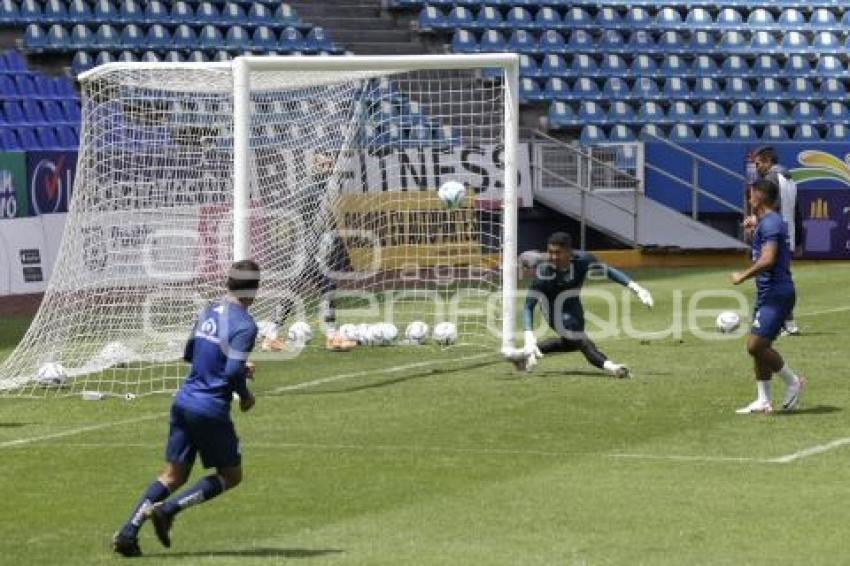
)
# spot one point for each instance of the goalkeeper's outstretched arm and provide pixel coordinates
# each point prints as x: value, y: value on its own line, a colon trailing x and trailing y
x: 620, y: 277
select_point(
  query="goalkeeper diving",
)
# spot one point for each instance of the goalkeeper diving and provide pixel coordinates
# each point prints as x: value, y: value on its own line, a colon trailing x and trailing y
x: 559, y: 276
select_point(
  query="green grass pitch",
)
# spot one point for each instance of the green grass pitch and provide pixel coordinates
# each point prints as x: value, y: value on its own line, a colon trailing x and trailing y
x: 401, y: 457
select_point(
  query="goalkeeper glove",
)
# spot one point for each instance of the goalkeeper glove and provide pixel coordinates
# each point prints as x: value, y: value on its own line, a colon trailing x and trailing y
x: 644, y: 295
x: 531, y: 348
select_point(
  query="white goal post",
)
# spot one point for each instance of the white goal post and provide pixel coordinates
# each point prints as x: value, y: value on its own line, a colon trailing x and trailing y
x: 323, y: 169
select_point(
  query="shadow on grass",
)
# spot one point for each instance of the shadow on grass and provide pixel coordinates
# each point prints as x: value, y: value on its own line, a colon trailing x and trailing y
x: 261, y: 552
x: 12, y: 425
x: 814, y: 410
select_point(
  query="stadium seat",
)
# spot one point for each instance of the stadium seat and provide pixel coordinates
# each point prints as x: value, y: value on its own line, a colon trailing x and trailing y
x: 488, y: 18
x: 29, y: 141
x: 207, y: 13
x: 772, y: 112
x: 836, y: 113
x: 81, y: 62
x: 734, y: 42
x: 529, y: 90
x: 156, y: 13
x: 157, y: 37
x: 712, y: 133
x: 577, y: 18
x: 823, y: 18
x: 607, y: 18
x: 760, y: 19
x: 211, y: 39
x: 621, y: 113
x: 682, y: 112
x: 742, y: 112
x: 707, y: 88
x: 129, y: 12
x: 57, y: 38
x: 184, y: 38
x: 43, y: 87
x: 829, y: 66
x: 583, y: 65
x: 34, y: 38
x: 25, y: 85
x: 317, y: 40
x: 826, y: 42
x: 126, y: 56
x: 832, y: 89
x: 701, y: 42
x: 233, y: 14
x: 64, y: 88
x: 698, y: 18
x: 9, y: 140
x: 837, y: 133
x: 55, y: 11
x: 181, y: 12
x: 460, y: 18
x: 612, y: 41
x: 651, y: 111
x: 637, y: 17
x: 286, y: 15
x: 548, y: 18
x: 591, y: 112
x: 806, y: 132
x: 290, y: 40
x: 734, y: 66
x: 675, y: 66
x: 845, y: 21
x: 31, y: 11
x: 769, y: 88
x: 797, y: 66
x: 649, y: 132
x: 616, y: 88
x: 791, y: 19
x: 581, y: 41
x: 621, y: 133
x: 805, y: 112
x: 13, y: 114
x: 14, y: 62
x: 729, y: 18
x: 644, y: 66
x: 196, y: 57
x: 561, y: 115
x: 763, y: 42
x: 52, y: 112
x: 464, y: 41
x: 711, y: 111
x: 522, y: 41
x: 668, y: 18
x: 149, y: 57
x: 260, y: 15
x: 704, y: 66
x: 237, y: 39
x: 553, y: 66
x: 79, y: 12
x: 67, y: 138
x: 263, y: 39
x: 682, y: 133
x: 774, y: 132
x: 519, y: 17
x: 800, y: 89
x: 132, y: 37
x: 557, y: 89
x: 646, y: 89
x: 672, y: 42
x: 641, y: 41
x: 492, y: 41
x: 106, y: 37
x: 103, y: 57
x: 743, y: 132
x: 551, y: 41
x: 676, y: 87
x: 104, y: 12
x: 765, y: 66
x: 10, y: 12
x: 592, y: 134
x: 585, y: 88
x: 795, y: 42
x: 47, y: 137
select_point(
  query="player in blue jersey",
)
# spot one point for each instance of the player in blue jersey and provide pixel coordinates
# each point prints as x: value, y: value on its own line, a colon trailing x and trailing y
x: 559, y: 276
x: 218, y: 349
x: 775, y: 297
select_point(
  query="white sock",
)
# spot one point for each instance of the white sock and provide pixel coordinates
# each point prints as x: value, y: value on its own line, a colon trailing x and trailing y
x: 610, y: 366
x: 763, y: 388
x: 788, y: 376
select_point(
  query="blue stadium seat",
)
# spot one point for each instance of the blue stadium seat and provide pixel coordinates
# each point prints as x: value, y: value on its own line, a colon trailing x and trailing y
x: 791, y: 19
x: 612, y: 41
x: 621, y: 133
x: 29, y: 141
x: 774, y: 132
x: 557, y: 89
x: 837, y: 133
x: 760, y: 19
x: 577, y: 18
x: 712, y: 133
x: 156, y: 13
x: 668, y: 18
x: 237, y: 39
x: 591, y: 112
x: 836, y: 113
x: 9, y: 140
x: 103, y: 57
x: 13, y: 114
x: 464, y: 41
x: 743, y: 132
x: 644, y: 65
x: 769, y: 88
x: 34, y: 38
x: 206, y: 13
x: 79, y: 12
x: 845, y: 21
x: 651, y: 111
x: 263, y: 39
x: 130, y: 12
x: 528, y: 66
x: 702, y: 41
x: 649, y: 132
x: 800, y: 89
x: 832, y: 89
x: 149, y: 57
x: 489, y: 18
x: 318, y: 40
x: 132, y: 37
x: 795, y: 42
x: 105, y: 12
x: 733, y: 42
x: 672, y: 42
x: 81, y: 62
x: 616, y: 88
x: 52, y: 111
x: 548, y: 18
x: 682, y: 112
x: 637, y: 17
x: 621, y: 113
x: 699, y: 18
x: 529, y: 90
x: 43, y: 87
x: 829, y: 66
x: 14, y: 62
x: 47, y: 138
x: 805, y: 112
x: 581, y: 41
x: 260, y: 15
x: 107, y: 38
x: 431, y: 18
x: 772, y: 112
x: 583, y: 65
x: 763, y: 42
x: 675, y: 66
x: 561, y: 115
x: 211, y: 39
x: 196, y: 57
x: 607, y: 18
x: 646, y: 88
x: 585, y: 88
x: 798, y: 66
x: 81, y: 37
x: 682, y: 133
x: 711, y: 111
x: 460, y: 18
x: 592, y: 134
x: 64, y: 88
x: 181, y: 13
x: 704, y: 66
x: 707, y: 88
x: 823, y: 18
x: 519, y: 17
x: 67, y: 137
x: 31, y: 11
x: 522, y: 41
x: 184, y: 38
x: 735, y: 66
x: 492, y: 41
x: 551, y: 41
x: 57, y: 38
x: 806, y: 132
x: 286, y: 15
x: 233, y: 14
x: 742, y: 112
x: 826, y: 42
x: 55, y: 11
x: 676, y: 87
x: 641, y: 41
x: 765, y: 66
x: 126, y: 56
x: 290, y: 40
x: 157, y: 37
x: 613, y: 66
x: 729, y: 18
x: 10, y: 12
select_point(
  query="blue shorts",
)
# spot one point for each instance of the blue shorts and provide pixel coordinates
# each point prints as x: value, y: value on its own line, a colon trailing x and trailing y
x: 770, y: 313
x: 190, y: 433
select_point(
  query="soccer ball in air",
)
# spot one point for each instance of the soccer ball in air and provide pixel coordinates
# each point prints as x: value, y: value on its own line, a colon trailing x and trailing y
x: 728, y: 321
x: 300, y: 333
x: 416, y: 332
x: 51, y: 374
x: 452, y: 193
x: 445, y: 334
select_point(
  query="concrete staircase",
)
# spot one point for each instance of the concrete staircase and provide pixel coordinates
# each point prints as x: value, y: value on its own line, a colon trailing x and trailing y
x: 363, y: 26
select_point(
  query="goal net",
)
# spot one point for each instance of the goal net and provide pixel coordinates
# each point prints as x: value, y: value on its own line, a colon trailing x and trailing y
x: 326, y: 171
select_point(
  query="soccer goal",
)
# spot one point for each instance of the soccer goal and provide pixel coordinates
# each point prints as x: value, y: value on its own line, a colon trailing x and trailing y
x: 323, y: 169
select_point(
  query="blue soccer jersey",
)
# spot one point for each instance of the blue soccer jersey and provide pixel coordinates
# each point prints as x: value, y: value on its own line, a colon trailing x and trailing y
x: 772, y: 228
x: 218, y: 348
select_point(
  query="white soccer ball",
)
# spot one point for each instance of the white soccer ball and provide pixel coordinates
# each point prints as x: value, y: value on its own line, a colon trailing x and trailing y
x: 349, y: 331
x: 51, y: 374
x: 384, y: 333
x: 416, y: 332
x: 445, y: 334
x: 300, y: 333
x: 728, y: 321
x: 267, y: 329
x: 364, y: 334
x: 452, y: 193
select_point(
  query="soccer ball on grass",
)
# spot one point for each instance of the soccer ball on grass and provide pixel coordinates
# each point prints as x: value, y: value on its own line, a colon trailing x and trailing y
x: 728, y: 321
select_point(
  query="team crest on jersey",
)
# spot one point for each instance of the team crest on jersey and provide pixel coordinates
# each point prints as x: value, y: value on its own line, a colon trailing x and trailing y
x: 208, y: 330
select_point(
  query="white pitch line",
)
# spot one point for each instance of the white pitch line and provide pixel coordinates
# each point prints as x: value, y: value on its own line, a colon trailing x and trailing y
x: 813, y: 451
x: 80, y: 430
x: 686, y: 458
x: 825, y: 311
x: 364, y: 373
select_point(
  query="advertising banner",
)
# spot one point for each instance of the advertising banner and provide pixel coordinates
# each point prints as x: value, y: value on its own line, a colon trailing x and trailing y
x: 51, y: 179
x: 14, y: 201
x: 22, y: 257
x: 826, y: 223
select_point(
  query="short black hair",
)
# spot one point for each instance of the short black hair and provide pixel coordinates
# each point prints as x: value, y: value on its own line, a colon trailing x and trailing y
x: 766, y: 151
x: 243, y: 278
x: 560, y: 239
x: 769, y: 190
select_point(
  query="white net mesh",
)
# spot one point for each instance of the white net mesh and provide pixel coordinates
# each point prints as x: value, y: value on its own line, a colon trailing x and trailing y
x: 344, y: 212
